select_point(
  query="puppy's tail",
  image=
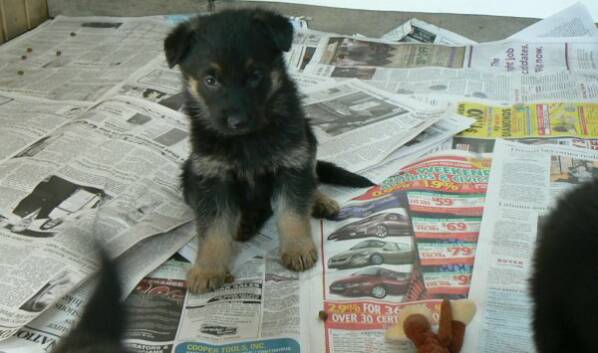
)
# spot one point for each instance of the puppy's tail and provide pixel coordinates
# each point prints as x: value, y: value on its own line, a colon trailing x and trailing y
x: 330, y: 173
x: 104, y: 315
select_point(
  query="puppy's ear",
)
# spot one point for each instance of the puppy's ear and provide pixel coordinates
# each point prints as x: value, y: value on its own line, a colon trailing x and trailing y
x: 276, y: 27
x: 178, y: 44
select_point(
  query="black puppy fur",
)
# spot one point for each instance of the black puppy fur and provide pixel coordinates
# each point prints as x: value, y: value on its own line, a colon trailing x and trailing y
x: 102, y: 324
x: 564, y: 283
x: 253, y: 150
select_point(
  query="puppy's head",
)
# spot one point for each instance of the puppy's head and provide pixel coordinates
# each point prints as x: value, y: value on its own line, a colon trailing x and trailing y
x: 232, y: 66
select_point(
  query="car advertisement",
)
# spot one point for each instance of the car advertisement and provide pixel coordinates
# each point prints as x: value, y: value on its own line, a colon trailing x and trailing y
x: 410, y: 240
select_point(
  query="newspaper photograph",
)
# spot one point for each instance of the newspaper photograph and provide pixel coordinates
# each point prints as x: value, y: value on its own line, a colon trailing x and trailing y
x: 358, y: 125
x: 525, y: 182
x: 305, y: 43
x: 358, y: 52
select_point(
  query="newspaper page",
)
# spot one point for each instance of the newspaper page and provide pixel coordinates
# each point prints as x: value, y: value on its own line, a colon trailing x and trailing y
x: 110, y: 174
x: 305, y: 43
x: 358, y: 125
x: 342, y: 56
x: 456, y: 84
x: 525, y: 182
x: 410, y: 240
x: 574, y: 21
x: 26, y: 120
x: 42, y: 334
x: 155, y: 82
x: 422, y: 144
x: 259, y: 312
x: 574, y: 123
x: 73, y: 58
x: 417, y: 31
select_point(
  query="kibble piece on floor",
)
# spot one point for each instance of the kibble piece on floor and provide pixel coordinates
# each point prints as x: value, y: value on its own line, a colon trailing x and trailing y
x: 323, y: 315
x: 58, y: 53
x: 73, y: 34
x: 23, y: 57
x: 29, y: 50
x: 20, y: 72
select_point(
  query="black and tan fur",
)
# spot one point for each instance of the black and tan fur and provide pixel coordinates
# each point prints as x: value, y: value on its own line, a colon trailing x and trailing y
x: 253, y: 150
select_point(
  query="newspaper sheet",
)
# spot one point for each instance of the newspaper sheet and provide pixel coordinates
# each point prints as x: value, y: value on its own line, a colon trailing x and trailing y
x: 42, y: 334
x: 358, y: 125
x: 259, y: 312
x: 79, y: 58
x: 103, y: 163
x: 574, y: 21
x: 304, y: 46
x: 109, y: 174
x: 524, y: 184
x: 25, y: 120
x: 426, y: 142
x: 456, y: 84
x: 419, y: 31
x: 349, y: 56
x: 410, y: 240
x: 574, y: 123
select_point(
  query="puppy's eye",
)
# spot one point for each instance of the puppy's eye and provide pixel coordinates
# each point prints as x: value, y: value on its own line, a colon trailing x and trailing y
x: 210, y: 81
x: 255, y: 77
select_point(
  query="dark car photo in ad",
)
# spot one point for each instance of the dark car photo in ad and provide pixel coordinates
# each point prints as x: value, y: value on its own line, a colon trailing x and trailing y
x: 379, y: 225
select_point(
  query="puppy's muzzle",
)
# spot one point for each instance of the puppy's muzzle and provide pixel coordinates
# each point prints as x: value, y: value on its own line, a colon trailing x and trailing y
x: 237, y: 121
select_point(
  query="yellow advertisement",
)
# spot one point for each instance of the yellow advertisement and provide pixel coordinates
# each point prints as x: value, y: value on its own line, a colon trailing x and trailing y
x: 531, y: 120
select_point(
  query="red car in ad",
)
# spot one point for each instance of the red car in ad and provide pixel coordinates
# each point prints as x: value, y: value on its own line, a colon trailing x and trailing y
x: 375, y: 282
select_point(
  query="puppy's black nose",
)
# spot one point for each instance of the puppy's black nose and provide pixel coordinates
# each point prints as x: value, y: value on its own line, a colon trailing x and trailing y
x: 237, y: 121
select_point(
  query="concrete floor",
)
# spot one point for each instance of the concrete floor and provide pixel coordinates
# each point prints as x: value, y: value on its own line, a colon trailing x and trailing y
x: 370, y: 23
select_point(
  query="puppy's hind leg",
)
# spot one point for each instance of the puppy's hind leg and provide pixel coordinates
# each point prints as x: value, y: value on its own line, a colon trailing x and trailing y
x: 324, y: 206
x: 210, y: 270
x: 251, y: 222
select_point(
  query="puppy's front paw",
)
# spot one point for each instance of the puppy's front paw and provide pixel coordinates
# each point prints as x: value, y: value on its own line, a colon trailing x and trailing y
x: 299, y: 256
x: 201, y: 280
x: 325, y: 207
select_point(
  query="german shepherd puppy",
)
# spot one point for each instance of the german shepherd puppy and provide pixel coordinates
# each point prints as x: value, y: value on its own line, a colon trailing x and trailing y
x: 564, y: 282
x: 253, y: 150
x: 102, y: 324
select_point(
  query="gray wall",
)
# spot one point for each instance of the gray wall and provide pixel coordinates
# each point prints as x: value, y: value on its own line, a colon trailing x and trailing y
x: 370, y: 23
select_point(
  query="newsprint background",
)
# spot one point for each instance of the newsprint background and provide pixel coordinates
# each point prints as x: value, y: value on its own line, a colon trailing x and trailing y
x: 93, y: 136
